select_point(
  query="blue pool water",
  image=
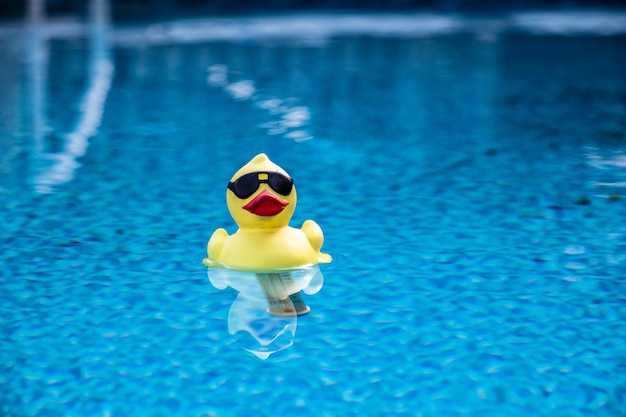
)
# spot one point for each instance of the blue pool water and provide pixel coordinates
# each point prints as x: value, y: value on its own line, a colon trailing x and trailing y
x: 469, y: 175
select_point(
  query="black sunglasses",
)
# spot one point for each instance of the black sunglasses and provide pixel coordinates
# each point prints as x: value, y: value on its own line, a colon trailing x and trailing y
x: 246, y: 185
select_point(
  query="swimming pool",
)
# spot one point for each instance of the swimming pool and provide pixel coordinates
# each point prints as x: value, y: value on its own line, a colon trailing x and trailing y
x: 469, y: 175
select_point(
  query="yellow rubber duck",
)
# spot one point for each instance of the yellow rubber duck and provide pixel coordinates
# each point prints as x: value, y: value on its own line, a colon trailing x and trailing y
x: 261, y: 198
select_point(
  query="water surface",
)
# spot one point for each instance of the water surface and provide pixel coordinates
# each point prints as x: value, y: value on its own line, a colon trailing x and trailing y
x: 469, y: 180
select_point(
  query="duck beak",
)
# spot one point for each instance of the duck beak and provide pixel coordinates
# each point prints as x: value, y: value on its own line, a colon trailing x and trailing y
x: 266, y: 204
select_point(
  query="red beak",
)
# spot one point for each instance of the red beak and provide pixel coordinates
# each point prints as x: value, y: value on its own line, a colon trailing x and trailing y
x: 266, y: 204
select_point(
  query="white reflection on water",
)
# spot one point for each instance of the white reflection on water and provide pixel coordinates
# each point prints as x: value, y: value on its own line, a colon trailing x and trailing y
x: 218, y: 75
x: 38, y: 60
x: 296, y: 117
x: 306, y: 29
x: 59, y: 167
x: 611, y: 174
x: 241, y: 90
x: 317, y: 29
x: 64, y: 163
x: 288, y: 117
x: 570, y: 22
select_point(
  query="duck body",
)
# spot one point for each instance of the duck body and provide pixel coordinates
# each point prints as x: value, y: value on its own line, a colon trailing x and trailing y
x: 263, y: 250
x: 261, y: 199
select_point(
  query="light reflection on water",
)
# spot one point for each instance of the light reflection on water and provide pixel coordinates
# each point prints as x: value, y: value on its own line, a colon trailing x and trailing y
x: 56, y: 168
x: 610, y: 177
x: 288, y: 118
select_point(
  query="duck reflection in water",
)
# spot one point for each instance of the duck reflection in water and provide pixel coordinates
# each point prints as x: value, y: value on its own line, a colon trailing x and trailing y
x: 264, y: 316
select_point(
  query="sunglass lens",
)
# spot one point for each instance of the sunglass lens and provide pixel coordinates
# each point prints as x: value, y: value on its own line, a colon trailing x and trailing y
x: 246, y: 185
x: 281, y: 184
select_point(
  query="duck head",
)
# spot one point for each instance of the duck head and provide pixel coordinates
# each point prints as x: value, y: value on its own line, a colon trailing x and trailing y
x: 261, y: 195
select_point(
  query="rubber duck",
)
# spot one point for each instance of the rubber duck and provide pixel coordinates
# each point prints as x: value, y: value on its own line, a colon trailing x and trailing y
x: 261, y: 199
